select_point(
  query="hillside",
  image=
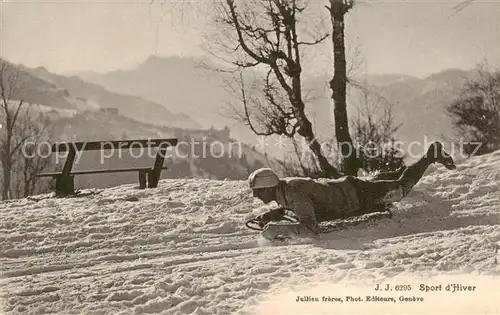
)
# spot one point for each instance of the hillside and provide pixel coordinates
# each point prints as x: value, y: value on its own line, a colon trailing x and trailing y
x: 39, y: 91
x: 41, y: 87
x: 177, y: 82
x: 182, y: 248
x: 131, y: 106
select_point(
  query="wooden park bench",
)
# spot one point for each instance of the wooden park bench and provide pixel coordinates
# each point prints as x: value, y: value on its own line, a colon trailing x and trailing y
x: 147, y: 175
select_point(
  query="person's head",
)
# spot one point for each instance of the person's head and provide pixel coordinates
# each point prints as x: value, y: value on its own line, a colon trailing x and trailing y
x: 263, y: 183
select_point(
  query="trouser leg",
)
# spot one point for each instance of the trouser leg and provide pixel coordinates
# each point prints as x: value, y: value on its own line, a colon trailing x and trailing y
x: 376, y: 196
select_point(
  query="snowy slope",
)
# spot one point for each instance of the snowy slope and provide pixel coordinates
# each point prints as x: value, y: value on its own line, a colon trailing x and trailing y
x: 182, y: 248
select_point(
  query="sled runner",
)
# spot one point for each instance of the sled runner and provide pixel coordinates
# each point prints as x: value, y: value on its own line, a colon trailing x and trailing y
x: 281, y: 229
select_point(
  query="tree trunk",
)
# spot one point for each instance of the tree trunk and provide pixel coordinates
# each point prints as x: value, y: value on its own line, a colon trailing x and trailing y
x: 7, y: 161
x: 338, y: 85
x: 6, y: 180
x: 26, y: 179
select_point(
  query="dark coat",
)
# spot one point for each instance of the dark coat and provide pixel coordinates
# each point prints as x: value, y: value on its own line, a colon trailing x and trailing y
x: 318, y: 199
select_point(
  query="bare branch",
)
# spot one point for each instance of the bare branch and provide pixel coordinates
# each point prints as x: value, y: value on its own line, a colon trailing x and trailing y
x: 462, y: 5
x: 263, y: 34
x: 241, y: 40
x: 315, y: 42
x: 16, y: 114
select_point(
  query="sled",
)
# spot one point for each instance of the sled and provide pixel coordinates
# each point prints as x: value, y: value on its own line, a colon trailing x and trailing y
x: 326, y: 226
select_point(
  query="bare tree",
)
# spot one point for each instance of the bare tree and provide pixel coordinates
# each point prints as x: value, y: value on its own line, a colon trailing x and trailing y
x: 374, y: 131
x: 20, y: 123
x: 31, y: 160
x: 302, y: 163
x: 263, y: 35
x: 476, y: 112
x: 10, y: 88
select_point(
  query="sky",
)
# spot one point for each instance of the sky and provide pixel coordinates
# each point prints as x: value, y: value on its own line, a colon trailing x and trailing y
x: 406, y: 37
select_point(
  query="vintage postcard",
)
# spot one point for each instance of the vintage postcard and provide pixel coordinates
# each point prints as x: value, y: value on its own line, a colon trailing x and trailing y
x: 249, y: 157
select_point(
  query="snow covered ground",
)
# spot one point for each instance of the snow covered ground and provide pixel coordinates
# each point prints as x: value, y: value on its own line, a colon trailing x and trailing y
x: 182, y: 248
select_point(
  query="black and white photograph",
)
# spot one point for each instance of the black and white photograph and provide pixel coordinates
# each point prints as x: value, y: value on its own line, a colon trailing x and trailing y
x: 249, y: 157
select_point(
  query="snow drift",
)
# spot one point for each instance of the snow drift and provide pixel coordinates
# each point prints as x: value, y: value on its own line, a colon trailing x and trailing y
x: 182, y: 248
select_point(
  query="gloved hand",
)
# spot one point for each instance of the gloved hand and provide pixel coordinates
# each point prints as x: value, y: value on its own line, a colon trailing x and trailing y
x: 271, y: 215
x: 263, y: 219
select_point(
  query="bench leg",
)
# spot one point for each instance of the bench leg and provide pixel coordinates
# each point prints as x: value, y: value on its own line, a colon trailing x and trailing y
x: 154, y: 175
x: 142, y: 180
x: 151, y: 179
x: 65, y: 185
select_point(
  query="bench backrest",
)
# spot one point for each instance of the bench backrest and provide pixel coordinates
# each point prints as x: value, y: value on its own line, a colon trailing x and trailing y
x: 117, y: 144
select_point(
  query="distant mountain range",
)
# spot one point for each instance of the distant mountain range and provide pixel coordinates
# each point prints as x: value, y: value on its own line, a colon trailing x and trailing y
x: 185, y: 87
x: 62, y: 92
x: 418, y: 104
x: 181, y: 84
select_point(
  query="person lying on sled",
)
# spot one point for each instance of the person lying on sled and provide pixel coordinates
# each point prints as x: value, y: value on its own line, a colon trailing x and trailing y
x: 317, y: 200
